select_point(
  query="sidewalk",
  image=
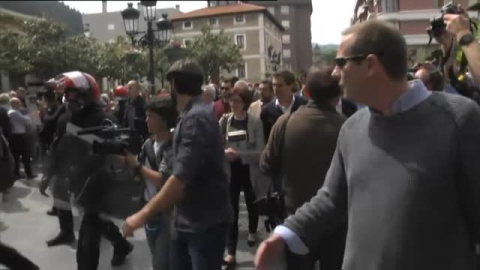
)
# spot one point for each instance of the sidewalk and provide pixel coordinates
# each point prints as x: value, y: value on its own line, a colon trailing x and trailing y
x: 25, y: 226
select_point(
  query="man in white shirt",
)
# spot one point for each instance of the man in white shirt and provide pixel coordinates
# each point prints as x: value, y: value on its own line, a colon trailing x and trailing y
x: 20, y: 126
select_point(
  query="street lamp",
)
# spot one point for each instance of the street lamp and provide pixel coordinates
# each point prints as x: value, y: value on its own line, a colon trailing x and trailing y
x: 274, y: 58
x: 165, y: 29
x: 160, y: 36
x: 130, y: 20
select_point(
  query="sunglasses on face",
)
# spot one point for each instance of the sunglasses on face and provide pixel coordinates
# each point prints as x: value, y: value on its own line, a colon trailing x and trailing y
x: 342, y: 61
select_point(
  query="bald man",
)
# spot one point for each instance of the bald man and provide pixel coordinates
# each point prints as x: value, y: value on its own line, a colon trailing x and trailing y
x: 19, y: 144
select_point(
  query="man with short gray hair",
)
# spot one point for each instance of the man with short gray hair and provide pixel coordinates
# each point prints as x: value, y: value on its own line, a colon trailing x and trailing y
x: 405, y: 171
x: 209, y: 95
x: 19, y: 143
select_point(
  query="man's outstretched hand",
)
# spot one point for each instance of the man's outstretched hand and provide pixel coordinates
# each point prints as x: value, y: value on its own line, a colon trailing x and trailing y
x: 270, y: 253
x: 133, y: 223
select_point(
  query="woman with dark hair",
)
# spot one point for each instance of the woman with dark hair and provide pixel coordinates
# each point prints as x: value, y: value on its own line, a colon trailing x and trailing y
x: 244, y: 141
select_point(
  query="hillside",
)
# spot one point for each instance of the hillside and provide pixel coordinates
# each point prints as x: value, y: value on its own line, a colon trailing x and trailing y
x: 54, y: 10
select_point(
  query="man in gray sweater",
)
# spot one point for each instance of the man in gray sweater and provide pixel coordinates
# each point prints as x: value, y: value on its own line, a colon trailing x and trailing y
x: 405, y: 171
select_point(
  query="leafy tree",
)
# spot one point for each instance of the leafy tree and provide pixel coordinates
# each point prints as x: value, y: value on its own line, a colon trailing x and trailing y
x: 34, y: 49
x: 215, y: 52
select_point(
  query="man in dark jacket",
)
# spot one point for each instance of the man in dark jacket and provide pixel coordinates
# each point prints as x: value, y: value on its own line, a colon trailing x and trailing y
x: 303, y: 143
x: 201, y: 197
x: 286, y: 101
x: 134, y: 113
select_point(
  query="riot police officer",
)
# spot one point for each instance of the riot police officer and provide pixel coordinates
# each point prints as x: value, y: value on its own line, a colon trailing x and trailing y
x: 81, y: 171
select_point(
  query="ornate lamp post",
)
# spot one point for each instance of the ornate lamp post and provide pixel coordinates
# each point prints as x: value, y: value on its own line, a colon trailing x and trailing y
x: 159, y: 37
x: 274, y: 57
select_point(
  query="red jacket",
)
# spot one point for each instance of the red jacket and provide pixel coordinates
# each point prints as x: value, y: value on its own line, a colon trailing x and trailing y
x: 220, y: 108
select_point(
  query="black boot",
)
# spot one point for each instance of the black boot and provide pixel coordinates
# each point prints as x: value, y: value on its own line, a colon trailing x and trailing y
x: 120, y: 252
x: 61, y: 239
x: 52, y: 212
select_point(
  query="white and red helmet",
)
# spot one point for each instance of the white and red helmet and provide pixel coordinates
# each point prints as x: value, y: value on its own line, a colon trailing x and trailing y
x: 82, y: 84
x: 120, y: 92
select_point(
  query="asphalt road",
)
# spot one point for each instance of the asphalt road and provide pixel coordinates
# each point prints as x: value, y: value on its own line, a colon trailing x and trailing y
x: 25, y: 226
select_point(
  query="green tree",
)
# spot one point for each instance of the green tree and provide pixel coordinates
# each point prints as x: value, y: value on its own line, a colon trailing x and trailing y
x: 32, y: 48
x: 215, y: 52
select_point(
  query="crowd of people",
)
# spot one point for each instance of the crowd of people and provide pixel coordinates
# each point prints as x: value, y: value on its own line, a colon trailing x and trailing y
x: 390, y: 186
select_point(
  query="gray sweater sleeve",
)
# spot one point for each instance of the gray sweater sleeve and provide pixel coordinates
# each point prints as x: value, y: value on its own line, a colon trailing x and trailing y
x: 327, y: 209
x: 468, y: 182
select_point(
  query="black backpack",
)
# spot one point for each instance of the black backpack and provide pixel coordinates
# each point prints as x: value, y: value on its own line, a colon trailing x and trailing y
x: 7, y: 164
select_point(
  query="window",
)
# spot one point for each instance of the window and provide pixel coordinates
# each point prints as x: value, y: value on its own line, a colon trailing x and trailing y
x: 213, y: 21
x: 286, y: 24
x: 239, y: 19
x: 241, y: 71
x: 187, y: 42
x: 271, y: 10
x: 286, y: 53
x: 390, y: 5
x: 437, y: 3
x: 240, y: 41
x: 111, y: 27
x: 286, y: 39
x: 111, y: 40
x: 188, y: 25
x: 87, y: 34
x: 285, y: 10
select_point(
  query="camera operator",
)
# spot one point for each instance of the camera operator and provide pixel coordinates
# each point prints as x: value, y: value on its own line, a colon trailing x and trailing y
x: 198, y: 186
x: 154, y: 165
x: 459, y: 27
x: 73, y: 164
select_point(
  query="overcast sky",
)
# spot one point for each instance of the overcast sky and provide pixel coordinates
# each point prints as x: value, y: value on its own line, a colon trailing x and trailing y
x: 329, y: 17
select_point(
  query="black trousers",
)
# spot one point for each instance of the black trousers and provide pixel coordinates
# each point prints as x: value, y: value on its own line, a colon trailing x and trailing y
x: 240, y: 180
x: 91, y: 230
x: 20, y: 148
x: 65, y: 218
x: 13, y: 260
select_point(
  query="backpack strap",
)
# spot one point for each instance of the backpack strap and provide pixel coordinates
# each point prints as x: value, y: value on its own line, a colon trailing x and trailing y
x: 149, y: 152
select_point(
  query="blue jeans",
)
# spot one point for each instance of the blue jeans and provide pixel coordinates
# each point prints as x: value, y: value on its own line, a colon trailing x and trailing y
x: 157, y: 230
x: 199, y: 250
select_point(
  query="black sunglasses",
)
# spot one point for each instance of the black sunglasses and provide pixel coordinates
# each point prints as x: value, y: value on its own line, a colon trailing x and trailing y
x: 342, y: 61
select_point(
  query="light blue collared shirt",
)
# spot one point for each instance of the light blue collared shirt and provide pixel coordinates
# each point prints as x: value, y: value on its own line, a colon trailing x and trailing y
x: 416, y: 93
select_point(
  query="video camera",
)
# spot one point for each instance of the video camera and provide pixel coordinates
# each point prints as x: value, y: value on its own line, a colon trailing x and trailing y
x: 45, y: 90
x: 116, y: 140
x: 437, y: 25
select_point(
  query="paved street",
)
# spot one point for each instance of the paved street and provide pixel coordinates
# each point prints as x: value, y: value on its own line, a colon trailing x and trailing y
x: 25, y: 225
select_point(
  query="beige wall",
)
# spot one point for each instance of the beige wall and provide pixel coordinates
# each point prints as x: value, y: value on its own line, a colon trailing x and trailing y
x: 256, y: 36
x: 225, y: 21
x: 252, y: 69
